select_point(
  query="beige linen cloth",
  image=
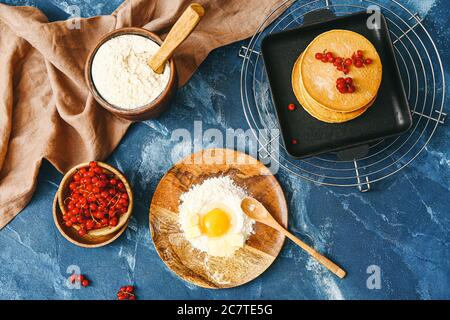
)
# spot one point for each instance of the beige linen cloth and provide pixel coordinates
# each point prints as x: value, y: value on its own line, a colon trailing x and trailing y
x: 46, y: 110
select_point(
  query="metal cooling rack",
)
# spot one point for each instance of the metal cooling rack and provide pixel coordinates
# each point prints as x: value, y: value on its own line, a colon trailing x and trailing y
x: 422, y: 75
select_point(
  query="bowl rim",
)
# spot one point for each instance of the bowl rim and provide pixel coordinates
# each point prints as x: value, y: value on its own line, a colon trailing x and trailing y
x: 134, y: 112
x: 66, y: 180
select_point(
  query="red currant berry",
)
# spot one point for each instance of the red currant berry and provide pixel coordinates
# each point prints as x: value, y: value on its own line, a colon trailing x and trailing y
x: 319, y: 56
x: 89, y: 225
x: 113, y: 222
x: 341, y: 86
x: 73, y: 278
x: 98, y: 170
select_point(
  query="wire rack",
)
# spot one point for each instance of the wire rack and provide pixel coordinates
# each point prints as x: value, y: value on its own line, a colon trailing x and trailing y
x: 422, y: 75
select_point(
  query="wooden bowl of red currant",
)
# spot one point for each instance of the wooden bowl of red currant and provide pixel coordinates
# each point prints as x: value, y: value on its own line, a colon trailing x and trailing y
x: 93, y: 204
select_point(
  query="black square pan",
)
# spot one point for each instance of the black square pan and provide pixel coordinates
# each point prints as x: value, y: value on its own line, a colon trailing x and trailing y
x: 389, y: 116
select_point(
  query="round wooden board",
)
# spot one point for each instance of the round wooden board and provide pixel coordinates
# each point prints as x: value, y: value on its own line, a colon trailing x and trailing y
x: 197, y: 267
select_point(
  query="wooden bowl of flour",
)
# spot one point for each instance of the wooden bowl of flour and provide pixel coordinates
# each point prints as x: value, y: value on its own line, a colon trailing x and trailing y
x: 149, y: 110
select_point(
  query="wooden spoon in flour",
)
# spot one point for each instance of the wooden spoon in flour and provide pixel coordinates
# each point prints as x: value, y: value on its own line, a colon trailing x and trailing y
x: 255, y: 210
x: 180, y: 31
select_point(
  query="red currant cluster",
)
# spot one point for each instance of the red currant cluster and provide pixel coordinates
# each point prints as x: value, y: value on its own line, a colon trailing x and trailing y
x: 343, y: 64
x: 97, y: 199
x: 80, y: 279
x: 345, y: 85
x: 126, y: 293
x: 358, y: 59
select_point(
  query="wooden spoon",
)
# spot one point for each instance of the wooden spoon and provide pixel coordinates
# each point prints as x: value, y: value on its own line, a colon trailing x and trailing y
x: 180, y: 31
x: 255, y: 210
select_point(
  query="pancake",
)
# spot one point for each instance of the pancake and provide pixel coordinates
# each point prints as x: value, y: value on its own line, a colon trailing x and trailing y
x: 315, y: 109
x: 319, y: 79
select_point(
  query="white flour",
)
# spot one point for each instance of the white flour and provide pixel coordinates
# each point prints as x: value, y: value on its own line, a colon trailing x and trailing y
x: 121, y: 74
x: 213, y: 192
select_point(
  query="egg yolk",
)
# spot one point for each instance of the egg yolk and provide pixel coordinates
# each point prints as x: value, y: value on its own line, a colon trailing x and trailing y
x: 215, y: 223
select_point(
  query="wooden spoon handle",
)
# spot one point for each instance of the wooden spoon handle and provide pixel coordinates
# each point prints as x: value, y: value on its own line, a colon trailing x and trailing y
x: 180, y: 31
x: 327, y: 263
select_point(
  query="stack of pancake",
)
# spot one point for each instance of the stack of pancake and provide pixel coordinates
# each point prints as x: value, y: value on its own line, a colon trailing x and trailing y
x: 314, y: 82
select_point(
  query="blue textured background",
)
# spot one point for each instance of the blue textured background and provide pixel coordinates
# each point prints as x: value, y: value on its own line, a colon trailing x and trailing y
x: 402, y: 226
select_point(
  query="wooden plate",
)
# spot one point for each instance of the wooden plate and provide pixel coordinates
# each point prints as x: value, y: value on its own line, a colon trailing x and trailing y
x: 197, y: 267
x: 87, y: 241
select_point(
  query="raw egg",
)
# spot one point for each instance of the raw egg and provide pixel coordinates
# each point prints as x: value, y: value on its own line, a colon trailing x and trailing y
x: 211, y: 217
x: 215, y: 223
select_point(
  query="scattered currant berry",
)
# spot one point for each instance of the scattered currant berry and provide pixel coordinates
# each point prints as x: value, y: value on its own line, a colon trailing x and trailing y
x: 79, y: 278
x: 368, y: 61
x: 126, y: 293
x: 291, y: 107
x: 294, y: 141
x: 73, y: 278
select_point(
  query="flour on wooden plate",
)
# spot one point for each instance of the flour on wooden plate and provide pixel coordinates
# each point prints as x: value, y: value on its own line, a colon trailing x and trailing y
x: 121, y: 74
x: 212, y: 194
